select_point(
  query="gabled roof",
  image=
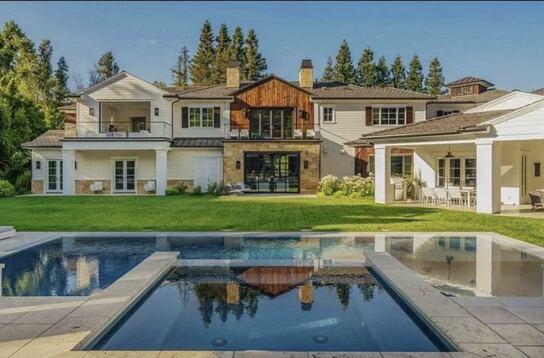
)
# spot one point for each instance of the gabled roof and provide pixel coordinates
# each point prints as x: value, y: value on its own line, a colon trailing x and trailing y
x: 52, y: 138
x: 108, y: 81
x: 266, y: 79
x: 468, y: 80
x: 483, y: 97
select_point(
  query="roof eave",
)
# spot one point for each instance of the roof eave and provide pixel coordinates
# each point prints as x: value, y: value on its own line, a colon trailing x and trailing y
x: 394, y: 136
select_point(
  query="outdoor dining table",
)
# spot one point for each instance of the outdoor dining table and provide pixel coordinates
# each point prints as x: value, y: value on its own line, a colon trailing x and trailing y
x: 468, y: 192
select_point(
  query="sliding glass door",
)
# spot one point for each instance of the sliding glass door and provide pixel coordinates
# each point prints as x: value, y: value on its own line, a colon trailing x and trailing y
x: 272, y: 172
x: 271, y: 123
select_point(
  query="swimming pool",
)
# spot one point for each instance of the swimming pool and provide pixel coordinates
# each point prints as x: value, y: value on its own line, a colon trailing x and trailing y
x: 456, y: 264
x: 302, y: 308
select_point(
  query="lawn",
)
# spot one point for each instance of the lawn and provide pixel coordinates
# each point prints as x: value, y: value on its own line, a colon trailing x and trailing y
x: 207, y: 213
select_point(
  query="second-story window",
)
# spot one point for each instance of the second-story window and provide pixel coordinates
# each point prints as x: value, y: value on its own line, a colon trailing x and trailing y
x: 389, y: 116
x: 201, y: 117
x: 328, y: 114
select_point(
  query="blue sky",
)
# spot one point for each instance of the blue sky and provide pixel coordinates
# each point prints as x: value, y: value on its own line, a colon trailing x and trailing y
x: 502, y: 42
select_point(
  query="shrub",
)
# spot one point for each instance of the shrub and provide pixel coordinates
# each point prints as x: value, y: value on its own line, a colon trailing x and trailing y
x: 23, y: 183
x: 197, y: 190
x: 329, y: 185
x: 212, y: 188
x: 177, y: 189
x: 6, y: 189
x: 219, y: 189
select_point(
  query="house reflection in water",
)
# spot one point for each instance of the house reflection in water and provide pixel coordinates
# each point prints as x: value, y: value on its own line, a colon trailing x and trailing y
x: 469, y: 265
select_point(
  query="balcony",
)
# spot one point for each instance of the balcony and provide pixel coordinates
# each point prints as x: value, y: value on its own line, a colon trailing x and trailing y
x: 119, y: 129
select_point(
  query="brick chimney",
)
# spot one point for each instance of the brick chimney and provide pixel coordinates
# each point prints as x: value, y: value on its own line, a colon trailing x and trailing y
x: 233, y: 74
x: 306, y: 74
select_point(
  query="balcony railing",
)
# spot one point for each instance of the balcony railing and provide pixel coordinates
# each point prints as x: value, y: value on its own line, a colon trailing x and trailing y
x: 119, y: 129
x: 299, y: 132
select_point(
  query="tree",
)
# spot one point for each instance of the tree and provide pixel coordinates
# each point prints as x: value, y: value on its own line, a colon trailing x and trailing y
x: 366, y: 68
x: 45, y: 70
x: 383, y: 76
x: 435, y: 79
x: 160, y: 84
x: 255, y: 63
x: 414, y: 79
x: 201, y: 66
x: 344, y: 71
x: 398, y: 73
x: 222, y: 56
x: 106, y: 67
x: 328, y: 72
x: 60, y: 82
x: 182, y: 68
x: 77, y: 81
x: 237, y: 49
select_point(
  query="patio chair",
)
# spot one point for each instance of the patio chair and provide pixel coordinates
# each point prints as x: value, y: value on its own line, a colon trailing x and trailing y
x: 536, y: 201
x: 149, y: 186
x: 244, y: 133
x: 441, y: 196
x: 239, y: 188
x: 297, y: 134
x: 310, y: 134
x: 96, y: 187
x: 427, y: 196
x: 455, y: 196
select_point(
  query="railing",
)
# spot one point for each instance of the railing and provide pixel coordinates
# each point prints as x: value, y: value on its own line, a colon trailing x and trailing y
x: 306, y: 131
x: 119, y: 129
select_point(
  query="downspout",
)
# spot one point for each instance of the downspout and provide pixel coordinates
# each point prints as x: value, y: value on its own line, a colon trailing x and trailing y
x: 172, y: 117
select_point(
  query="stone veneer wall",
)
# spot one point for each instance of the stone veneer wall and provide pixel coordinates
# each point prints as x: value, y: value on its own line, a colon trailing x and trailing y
x: 308, y: 150
x: 37, y: 186
x: 83, y: 186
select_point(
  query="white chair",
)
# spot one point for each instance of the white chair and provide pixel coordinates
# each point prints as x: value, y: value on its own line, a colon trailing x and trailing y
x: 234, y: 134
x: 455, y: 196
x: 149, y: 186
x: 297, y: 134
x: 310, y: 134
x: 244, y: 133
x: 441, y: 196
x: 239, y: 188
x: 96, y: 187
x: 427, y: 195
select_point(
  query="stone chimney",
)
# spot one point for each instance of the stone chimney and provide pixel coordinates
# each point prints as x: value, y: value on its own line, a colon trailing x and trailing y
x: 233, y: 74
x: 306, y: 74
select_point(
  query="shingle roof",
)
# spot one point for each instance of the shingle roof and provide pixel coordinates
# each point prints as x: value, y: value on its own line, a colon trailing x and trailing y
x: 196, y: 92
x: 197, y: 142
x: 483, y: 97
x: 539, y: 91
x: 451, y: 124
x: 469, y: 79
x: 51, y: 138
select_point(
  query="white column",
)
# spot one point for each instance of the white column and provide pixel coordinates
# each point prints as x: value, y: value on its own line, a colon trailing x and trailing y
x: 424, y: 167
x: 488, y: 176
x: 161, y: 171
x: 68, y: 171
x: 382, y: 161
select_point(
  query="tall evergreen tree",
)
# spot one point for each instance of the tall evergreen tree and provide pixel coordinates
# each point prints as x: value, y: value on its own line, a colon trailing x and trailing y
x: 222, y: 56
x: 328, y: 72
x: 414, y: 79
x: 237, y: 49
x: 344, y: 71
x: 383, y: 76
x: 160, y: 84
x: 182, y: 68
x: 60, y: 82
x: 45, y: 69
x: 255, y: 63
x: 201, y: 66
x: 435, y: 79
x: 398, y: 73
x: 366, y: 69
x: 105, y: 68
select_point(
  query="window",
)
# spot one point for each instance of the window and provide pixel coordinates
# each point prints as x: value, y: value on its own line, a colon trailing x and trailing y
x: 464, y: 90
x: 455, y: 172
x: 445, y: 112
x: 470, y: 172
x: 389, y: 116
x: 201, y: 117
x: 441, y: 172
x: 460, y: 172
x: 537, y: 169
x: 328, y: 115
x: 401, y: 166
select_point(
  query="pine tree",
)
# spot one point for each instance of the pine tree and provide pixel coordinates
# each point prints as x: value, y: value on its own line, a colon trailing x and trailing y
x: 366, y: 69
x: 201, y: 66
x: 414, y: 79
x: 45, y: 70
x: 181, y: 71
x: 237, y: 50
x: 328, y: 72
x: 160, y: 84
x: 383, y: 76
x: 344, y: 71
x: 398, y: 73
x: 60, y: 82
x: 255, y: 63
x: 222, y: 55
x: 435, y: 79
x: 105, y: 68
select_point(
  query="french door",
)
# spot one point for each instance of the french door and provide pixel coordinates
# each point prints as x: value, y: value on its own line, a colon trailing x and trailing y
x: 54, y: 176
x: 271, y: 123
x: 456, y: 172
x: 272, y: 172
x: 124, y: 176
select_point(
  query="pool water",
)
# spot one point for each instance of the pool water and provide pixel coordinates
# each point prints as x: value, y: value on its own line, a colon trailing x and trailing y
x: 271, y: 308
x: 459, y: 265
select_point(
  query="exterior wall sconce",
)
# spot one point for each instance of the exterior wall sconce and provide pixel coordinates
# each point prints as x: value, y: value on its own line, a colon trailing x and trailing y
x: 306, y: 164
x: 302, y: 114
x: 38, y: 164
x: 245, y: 113
x: 91, y: 111
x: 75, y: 164
x: 156, y: 111
x: 238, y: 164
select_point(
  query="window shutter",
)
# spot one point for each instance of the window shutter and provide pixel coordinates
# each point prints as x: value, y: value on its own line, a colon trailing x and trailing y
x: 184, y: 117
x: 368, y: 113
x: 409, y: 115
x: 217, y: 117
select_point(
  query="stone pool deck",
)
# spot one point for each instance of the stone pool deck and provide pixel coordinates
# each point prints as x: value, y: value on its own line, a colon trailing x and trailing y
x: 60, y: 326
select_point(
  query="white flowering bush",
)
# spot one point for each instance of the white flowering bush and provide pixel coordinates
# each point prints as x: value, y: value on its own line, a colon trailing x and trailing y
x: 329, y: 185
x: 352, y: 186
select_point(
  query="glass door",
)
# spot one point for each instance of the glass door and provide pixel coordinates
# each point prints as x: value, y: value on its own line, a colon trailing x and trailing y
x: 272, y: 172
x: 125, y: 176
x: 54, y: 176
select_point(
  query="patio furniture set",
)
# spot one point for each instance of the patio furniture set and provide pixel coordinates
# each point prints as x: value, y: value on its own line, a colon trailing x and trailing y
x: 448, y: 196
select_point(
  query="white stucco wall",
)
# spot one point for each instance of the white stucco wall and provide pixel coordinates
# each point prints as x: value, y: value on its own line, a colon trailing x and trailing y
x: 43, y: 155
x: 181, y: 161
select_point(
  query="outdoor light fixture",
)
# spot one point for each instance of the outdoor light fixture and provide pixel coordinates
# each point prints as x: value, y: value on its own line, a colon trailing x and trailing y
x: 38, y: 165
x: 238, y: 164
x: 302, y: 114
x: 91, y: 111
x: 245, y: 113
x: 449, y: 155
x: 156, y: 111
x: 306, y: 164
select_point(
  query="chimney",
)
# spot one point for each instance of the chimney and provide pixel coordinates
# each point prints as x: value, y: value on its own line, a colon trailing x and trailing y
x: 306, y: 74
x: 233, y: 74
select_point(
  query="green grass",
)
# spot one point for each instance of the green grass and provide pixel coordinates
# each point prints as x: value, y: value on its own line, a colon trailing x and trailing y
x: 206, y: 213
